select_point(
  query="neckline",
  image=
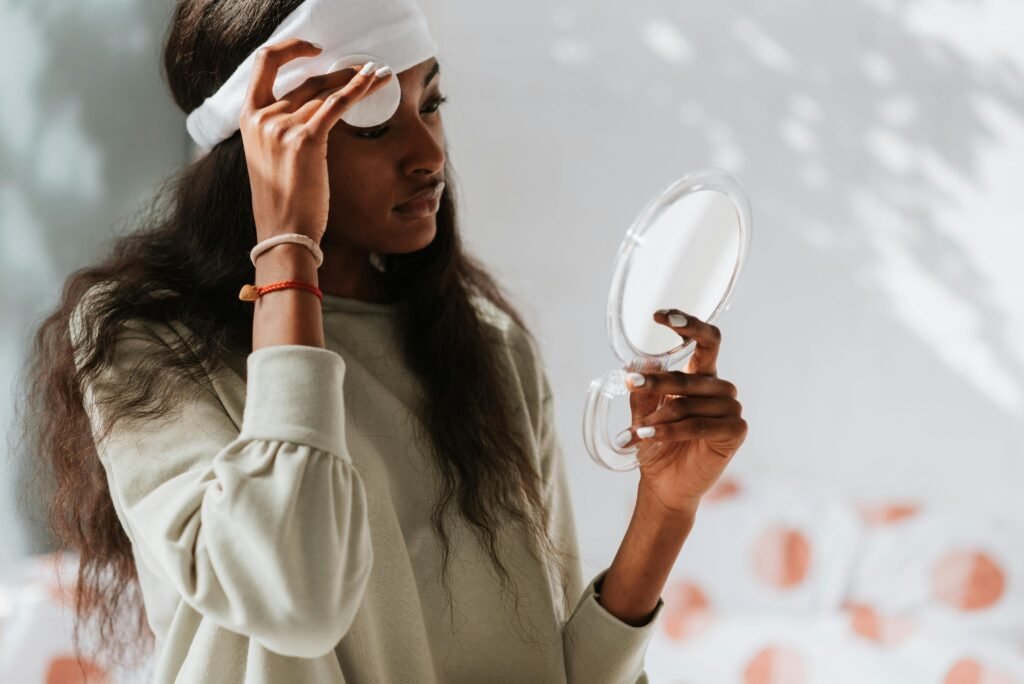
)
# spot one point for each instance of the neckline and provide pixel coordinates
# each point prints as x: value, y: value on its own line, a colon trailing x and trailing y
x: 337, y: 303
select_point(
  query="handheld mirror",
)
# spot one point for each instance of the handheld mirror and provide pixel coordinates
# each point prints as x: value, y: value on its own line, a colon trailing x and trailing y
x: 684, y: 251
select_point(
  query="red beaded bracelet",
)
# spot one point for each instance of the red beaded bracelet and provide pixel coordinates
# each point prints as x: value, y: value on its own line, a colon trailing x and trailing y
x: 250, y: 293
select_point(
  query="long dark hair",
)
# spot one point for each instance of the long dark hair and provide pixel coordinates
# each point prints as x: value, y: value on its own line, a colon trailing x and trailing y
x: 476, y: 448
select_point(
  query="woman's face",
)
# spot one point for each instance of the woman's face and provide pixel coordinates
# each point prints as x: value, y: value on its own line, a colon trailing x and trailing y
x: 371, y: 170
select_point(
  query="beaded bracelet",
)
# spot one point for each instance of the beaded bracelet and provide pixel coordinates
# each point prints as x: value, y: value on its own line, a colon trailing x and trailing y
x: 250, y: 293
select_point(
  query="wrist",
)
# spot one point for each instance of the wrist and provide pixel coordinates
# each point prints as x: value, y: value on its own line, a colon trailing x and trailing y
x: 638, y: 573
x: 678, y: 514
x: 286, y: 261
x: 666, y: 524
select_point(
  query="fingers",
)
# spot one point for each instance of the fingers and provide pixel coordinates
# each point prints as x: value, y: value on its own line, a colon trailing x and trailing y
x: 335, y: 103
x: 697, y: 427
x: 683, y: 408
x: 679, y: 382
x: 707, y: 336
x: 688, y: 407
x: 268, y: 61
x: 317, y: 86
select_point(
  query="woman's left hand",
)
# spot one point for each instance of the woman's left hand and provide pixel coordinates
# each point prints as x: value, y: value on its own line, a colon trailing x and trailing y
x: 697, y: 431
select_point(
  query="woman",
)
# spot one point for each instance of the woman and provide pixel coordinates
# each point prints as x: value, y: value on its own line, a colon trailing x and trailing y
x: 294, y: 483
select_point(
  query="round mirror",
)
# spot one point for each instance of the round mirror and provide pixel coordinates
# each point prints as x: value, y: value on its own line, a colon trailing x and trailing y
x: 684, y: 251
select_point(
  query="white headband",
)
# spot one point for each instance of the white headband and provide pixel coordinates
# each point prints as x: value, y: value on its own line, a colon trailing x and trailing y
x: 392, y: 32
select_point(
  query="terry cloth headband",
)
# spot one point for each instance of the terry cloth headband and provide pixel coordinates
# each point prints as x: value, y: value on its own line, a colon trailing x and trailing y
x: 392, y: 32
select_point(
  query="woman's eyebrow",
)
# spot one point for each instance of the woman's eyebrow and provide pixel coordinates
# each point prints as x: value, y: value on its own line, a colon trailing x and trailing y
x: 433, y: 72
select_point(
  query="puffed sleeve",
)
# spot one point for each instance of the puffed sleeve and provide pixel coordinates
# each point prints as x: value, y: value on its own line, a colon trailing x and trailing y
x: 598, y: 646
x: 262, y: 530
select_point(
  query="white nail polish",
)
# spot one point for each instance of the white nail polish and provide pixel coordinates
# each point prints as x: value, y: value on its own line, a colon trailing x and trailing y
x: 645, y: 431
x: 623, y: 438
x: 636, y: 379
x: 677, y: 320
x: 367, y: 68
x: 383, y: 71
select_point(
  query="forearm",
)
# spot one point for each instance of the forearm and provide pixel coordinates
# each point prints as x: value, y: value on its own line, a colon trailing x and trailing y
x: 289, y: 316
x: 637, y: 576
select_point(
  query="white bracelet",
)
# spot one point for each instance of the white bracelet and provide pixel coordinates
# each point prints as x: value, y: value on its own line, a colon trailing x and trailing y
x: 298, y: 238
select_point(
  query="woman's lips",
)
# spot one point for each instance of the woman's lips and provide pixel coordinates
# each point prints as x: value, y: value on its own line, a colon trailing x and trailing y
x: 422, y: 207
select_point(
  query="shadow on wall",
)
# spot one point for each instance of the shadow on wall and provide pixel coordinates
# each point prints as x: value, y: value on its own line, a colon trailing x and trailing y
x: 880, y: 313
x: 87, y: 130
x: 866, y: 136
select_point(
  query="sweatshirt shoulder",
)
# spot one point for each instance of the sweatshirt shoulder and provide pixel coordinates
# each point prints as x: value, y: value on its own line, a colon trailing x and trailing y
x: 138, y: 339
x: 518, y: 345
x: 511, y: 334
x: 84, y: 318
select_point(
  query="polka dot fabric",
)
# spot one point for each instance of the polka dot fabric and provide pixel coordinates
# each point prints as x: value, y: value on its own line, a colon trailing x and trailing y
x: 764, y: 544
x: 787, y: 581
x: 782, y: 581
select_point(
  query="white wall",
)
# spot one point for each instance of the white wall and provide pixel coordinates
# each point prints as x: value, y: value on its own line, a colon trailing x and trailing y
x: 87, y: 128
x: 877, y: 338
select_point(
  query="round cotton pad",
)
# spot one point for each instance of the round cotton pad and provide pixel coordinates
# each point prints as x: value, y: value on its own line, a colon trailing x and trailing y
x: 377, y: 107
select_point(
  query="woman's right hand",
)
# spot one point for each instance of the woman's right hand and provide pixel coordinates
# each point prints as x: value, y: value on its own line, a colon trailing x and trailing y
x: 285, y: 140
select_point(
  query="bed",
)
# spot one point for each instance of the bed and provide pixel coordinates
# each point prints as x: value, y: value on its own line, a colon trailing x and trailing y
x: 782, y: 581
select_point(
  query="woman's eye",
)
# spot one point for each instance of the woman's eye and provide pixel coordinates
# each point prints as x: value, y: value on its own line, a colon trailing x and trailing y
x: 374, y: 133
x: 437, y: 102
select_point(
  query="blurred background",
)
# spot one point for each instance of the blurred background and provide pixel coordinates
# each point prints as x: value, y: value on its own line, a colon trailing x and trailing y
x: 876, y: 336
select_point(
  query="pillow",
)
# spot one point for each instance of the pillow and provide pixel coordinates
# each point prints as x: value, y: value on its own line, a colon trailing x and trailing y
x: 765, y: 542
x: 958, y: 567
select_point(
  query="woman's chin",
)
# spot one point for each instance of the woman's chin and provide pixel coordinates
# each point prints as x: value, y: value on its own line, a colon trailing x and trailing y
x: 411, y: 235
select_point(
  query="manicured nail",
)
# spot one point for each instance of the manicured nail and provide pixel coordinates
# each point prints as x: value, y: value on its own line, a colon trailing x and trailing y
x: 367, y: 68
x: 636, y: 379
x: 318, y: 46
x: 622, y: 438
x: 383, y: 71
x: 677, y: 320
x: 645, y: 431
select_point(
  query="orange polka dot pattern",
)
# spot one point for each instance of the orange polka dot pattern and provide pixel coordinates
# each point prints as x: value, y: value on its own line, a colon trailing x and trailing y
x: 785, y: 582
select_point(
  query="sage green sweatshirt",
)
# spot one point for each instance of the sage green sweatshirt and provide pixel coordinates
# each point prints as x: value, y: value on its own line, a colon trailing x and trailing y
x: 281, y: 526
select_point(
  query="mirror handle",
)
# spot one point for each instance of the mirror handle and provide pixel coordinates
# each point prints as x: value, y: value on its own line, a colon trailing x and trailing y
x: 595, y: 423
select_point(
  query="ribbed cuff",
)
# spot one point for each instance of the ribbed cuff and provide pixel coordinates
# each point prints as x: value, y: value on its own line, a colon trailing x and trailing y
x: 599, y: 646
x: 294, y: 394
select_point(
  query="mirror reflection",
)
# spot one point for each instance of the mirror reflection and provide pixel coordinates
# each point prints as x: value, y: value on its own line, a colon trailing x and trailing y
x: 683, y: 260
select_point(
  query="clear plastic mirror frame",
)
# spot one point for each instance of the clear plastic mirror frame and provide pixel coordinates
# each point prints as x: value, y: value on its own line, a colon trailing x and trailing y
x: 603, y: 390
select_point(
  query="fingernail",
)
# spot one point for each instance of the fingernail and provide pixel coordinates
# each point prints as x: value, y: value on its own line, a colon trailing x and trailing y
x: 367, y: 68
x: 622, y: 438
x: 318, y: 46
x: 636, y: 379
x: 677, y: 320
x: 383, y: 71
x: 645, y: 431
